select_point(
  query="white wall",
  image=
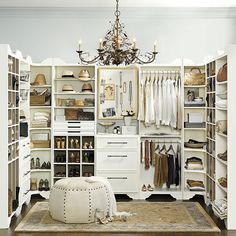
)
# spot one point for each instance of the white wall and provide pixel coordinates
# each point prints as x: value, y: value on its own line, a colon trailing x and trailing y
x: 189, y: 33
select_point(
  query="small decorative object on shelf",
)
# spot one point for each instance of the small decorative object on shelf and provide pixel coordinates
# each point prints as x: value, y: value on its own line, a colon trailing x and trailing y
x: 117, y: 49
x: 106, y: 125
x: 128, y: 117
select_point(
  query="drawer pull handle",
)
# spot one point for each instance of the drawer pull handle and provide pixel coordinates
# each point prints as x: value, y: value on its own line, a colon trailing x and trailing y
x: 117, y: 156
x: 73, y: 131
x: 117, y: 178
x: 117, y: 142
x: 27, y: 192
x: 75, y: 127
x: 26, y: 173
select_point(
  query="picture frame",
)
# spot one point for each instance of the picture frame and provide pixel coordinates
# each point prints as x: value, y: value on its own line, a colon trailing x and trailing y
x: 112, y: 98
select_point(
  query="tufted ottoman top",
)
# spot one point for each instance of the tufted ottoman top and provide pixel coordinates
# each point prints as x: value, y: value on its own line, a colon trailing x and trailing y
x: 77, y: 183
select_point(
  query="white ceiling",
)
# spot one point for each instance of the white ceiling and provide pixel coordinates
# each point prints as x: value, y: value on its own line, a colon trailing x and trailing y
x: 123, y: 3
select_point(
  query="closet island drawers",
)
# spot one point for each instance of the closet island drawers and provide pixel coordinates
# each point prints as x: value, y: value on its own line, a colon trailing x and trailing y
x: 118, y: 161
x: 121, y: 182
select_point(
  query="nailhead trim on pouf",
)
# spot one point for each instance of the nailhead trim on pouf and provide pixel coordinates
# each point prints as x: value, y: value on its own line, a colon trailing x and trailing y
x: 79, y: 198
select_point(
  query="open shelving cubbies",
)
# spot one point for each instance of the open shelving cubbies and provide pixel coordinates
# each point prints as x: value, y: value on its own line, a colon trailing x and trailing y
x: 72, y: 160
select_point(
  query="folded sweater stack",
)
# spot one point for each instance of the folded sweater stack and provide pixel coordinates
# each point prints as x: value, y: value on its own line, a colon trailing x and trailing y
x: 195, y: 185
x: 41, y: 120
x: 194, y: 163
x: 220, y: 208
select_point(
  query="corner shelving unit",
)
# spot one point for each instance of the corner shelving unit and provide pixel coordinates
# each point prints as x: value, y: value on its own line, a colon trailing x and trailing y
x: 198, y: 134
x: 41, y: 152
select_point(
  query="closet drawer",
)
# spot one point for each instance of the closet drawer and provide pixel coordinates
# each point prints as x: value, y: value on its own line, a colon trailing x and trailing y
x: 24, y: 191
x: 117, y: 142
x: 121, y: 182
x: 24, y: 172
x: 121, y: 160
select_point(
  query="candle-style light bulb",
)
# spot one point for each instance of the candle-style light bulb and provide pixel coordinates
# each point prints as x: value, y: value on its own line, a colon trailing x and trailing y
x: 155, y: 46
x: 80, y: 43
x: 100, y: 43
x: 134, y: 43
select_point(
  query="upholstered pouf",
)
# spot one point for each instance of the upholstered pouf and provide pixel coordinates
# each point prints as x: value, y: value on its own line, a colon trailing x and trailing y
x: 75, y: 200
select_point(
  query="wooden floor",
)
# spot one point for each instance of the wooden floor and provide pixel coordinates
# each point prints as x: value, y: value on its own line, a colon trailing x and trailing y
x: 15, y: 221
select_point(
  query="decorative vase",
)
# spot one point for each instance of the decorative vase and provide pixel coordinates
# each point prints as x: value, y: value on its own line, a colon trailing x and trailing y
x: 127, y: 120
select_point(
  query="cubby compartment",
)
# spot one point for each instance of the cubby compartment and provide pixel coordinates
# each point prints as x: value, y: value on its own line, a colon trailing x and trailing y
x: 74, y: 156
x: 87, y: 170
x: 60, y: 142
x: 88, y: 156
x: 73, y: 142
x: 59, y: 156
x: 59, y: 170
x: 73, y: 170
x: 87, y: 142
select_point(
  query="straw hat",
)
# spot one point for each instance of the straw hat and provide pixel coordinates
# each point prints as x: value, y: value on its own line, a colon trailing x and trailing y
x: 39, y: 80
x: 79, y: 103
x: 84, y: 75
x: 68, y: 88
x: 87, y: 88
x: 67, y: 74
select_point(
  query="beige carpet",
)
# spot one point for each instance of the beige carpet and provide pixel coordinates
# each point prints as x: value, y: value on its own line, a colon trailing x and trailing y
x: 151, y: 217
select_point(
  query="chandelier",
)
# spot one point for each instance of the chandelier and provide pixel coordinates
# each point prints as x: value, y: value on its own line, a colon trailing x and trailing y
x: 116, y: 48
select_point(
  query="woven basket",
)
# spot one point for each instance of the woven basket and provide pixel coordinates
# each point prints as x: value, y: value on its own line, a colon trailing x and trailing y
x: 40, y: 99
x: 41, y: 143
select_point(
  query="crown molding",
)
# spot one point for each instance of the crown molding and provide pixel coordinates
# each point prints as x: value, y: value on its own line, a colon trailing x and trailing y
x: 126, y: 12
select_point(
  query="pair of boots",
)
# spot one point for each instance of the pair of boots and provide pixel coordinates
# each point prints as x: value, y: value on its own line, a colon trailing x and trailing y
x: 60, y: 143
x: 43, y: 185
x: 74, y: 143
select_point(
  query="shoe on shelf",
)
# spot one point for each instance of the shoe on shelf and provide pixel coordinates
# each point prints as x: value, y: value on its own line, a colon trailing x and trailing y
x: 150, y: 188
x: 48, y: 165
x: 90, y: 174
x: 144, y: 188
x: 223, y: 182
x: 44, y: 165
x: 33, y: 184
x: 41, y: 185
x: 37, y: 164
x: 46, y: 184
x: 32, y: 164
x: 222, y: 156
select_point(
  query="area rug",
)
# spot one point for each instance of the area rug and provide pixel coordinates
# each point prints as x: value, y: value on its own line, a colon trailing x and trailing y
x: 150, y: 217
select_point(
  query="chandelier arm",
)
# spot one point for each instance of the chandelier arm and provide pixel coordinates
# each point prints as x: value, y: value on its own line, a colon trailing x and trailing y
x: 150, y: 58
x: 83, y: 60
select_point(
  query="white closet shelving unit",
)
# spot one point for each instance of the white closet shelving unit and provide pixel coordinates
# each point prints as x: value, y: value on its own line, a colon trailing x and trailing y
x: 14, y: 180
x: 198, y: 134
x: 73, y: 159
x: 44, y: 154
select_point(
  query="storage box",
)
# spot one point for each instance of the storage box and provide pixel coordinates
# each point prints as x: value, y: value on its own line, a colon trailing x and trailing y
x: 195, y: 117
x: 129, y: 130
x: 37, y: 136
x: 41, y: 144
x: 194, y: 125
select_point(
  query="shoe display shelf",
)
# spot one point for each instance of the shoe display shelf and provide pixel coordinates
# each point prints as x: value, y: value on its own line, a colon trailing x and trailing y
x: 40, y: 132
x: 74, y: 133
x: 194, y: 123
x: 13, y: 179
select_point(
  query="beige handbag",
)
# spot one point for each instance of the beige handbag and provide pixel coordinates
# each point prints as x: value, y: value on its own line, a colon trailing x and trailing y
x: 221, y: 126
x: 194, y: 77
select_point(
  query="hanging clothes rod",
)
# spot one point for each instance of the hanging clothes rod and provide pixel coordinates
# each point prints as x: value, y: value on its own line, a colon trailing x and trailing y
x: 160, y: 72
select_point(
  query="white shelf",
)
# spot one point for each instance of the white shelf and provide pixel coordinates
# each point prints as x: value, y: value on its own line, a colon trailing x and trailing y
x: 11, y: 126
x: 194, y: 86
x: 60, y: 107
x: 76, y: 93
x: 210, y: 123
x: 197, y: 129
x: 40, y: 170
x: 13, y: 160
x: 194, y: 107
x: 48, y: 128
x: 13, y: 108
x: 221, y: 109
x: 13, y: 91
x: 88, y: 163
x: 194, y: 150
x: 210, y: 154
x: 222, y: 135
x: 222, y: 188
x: 211, y: 108
x: 13, y: 142
x: 222, y: 83
x: 221, y: 161
x: 212, y: 92
x: 40, y: 149
x: 211, y: 139
x: 60, y: 163
x: 195, y: 192
x: 41, y: 86
x: 74, y: 79
x: 195, y: 171
x: 12, y: 73
x: 40, y: 107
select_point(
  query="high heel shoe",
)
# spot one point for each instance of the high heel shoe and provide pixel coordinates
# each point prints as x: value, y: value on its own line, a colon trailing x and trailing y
x: 48, y: 166
x: 63, y: 143
x: 41, y: 185
x: 32, y: 164
x: 37, y: 164
x: 76, y: 143
x: 58, y: 142
x: 71, y: 143
x: 46, y: 184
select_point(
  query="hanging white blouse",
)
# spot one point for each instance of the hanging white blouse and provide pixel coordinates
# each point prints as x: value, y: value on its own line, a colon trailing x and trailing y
x: 173, y: 119
x: 151, y: 102
x: 147, y: 101
x: 179, y: 106
x: 159, y: 104
x: 141, y: 100
x: 169, y: 105
x: 164, y: 100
